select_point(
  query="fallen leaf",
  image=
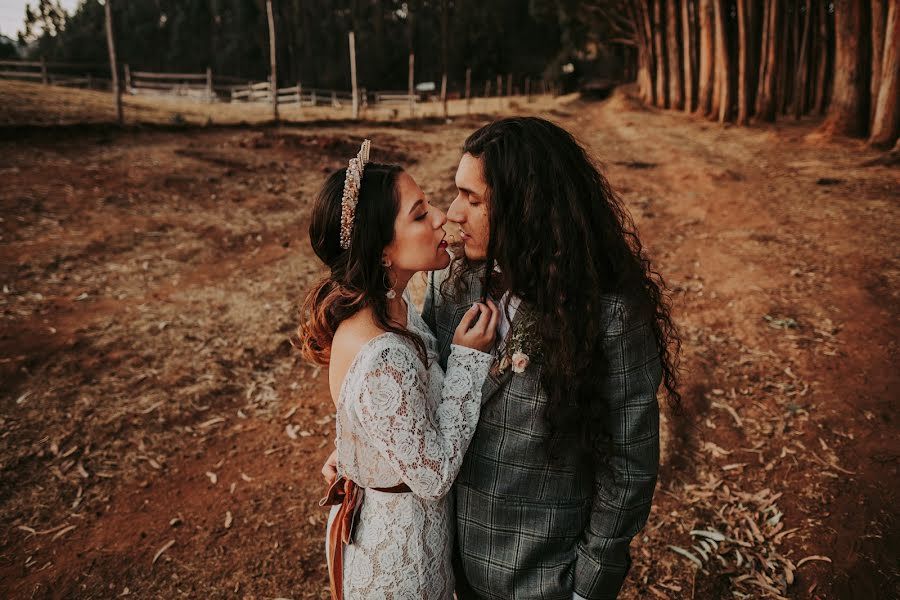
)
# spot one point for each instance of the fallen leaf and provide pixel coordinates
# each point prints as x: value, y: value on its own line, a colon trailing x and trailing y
x: 159, y: 552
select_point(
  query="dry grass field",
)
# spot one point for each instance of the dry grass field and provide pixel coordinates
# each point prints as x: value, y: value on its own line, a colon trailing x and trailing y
x: 161, y: 439
x: 23, y: 103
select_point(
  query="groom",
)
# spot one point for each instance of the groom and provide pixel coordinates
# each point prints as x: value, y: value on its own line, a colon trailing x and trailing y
x: 560, y: 474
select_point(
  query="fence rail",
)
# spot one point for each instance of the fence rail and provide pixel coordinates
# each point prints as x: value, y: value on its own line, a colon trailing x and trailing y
x: 297, y: 95
x: 22, y: 74
x: 222, y: 88
x: 64, y: 74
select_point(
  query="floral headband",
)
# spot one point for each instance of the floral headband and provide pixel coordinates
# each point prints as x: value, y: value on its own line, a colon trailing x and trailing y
x: 352, y: 184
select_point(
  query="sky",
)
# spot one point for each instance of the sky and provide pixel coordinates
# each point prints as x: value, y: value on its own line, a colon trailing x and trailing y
x: 12, y: 14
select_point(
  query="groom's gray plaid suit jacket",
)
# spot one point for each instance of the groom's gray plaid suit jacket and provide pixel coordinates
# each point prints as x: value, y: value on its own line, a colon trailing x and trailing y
x: 534, y: 528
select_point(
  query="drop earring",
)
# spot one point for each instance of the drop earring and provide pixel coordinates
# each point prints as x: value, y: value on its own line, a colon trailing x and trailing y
x: 390, y: 294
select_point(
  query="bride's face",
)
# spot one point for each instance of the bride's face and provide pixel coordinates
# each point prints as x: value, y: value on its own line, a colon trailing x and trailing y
x: 419, y: 243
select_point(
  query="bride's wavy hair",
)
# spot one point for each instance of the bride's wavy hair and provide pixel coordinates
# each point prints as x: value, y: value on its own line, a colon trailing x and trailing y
x: 563, y: 240
x: 356, y: 278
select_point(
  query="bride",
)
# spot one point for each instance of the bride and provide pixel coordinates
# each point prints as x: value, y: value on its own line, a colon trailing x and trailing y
x: 403, y: 425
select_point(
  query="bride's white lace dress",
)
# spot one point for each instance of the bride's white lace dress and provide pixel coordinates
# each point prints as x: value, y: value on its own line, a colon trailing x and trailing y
x: 399, y: 421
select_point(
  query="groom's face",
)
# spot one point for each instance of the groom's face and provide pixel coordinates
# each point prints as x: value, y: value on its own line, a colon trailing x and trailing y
x: 469, y: 209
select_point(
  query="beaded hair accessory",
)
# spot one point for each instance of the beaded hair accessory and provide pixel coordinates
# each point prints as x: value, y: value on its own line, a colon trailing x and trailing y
x: 352, y: 183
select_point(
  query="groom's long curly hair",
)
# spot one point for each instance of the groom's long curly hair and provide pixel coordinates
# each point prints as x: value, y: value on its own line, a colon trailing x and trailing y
x: 562, y: 240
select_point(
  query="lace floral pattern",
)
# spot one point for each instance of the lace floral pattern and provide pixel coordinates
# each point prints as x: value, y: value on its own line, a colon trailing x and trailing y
x: 400, y: 421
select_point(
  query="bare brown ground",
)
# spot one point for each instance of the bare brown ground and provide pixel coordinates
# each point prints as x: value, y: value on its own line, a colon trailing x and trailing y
x: 149, y: 394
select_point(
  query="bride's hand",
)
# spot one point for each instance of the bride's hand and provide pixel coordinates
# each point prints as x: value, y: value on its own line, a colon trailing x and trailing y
x: 478, y: 328
x: 329, y: 469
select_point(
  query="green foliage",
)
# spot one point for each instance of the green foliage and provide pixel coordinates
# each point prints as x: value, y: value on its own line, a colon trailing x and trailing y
x: 231, y: 36
x: 7, y: 49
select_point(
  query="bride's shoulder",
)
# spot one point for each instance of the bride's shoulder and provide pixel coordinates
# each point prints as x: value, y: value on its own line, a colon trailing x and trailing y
x: 359, y: 335
x: 352, y: 334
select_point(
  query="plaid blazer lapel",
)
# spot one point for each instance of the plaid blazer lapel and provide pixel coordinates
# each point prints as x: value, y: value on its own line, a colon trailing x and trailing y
x: 494, y: 380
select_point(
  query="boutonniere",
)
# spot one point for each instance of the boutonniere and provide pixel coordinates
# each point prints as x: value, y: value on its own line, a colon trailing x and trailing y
x: 523, y: 344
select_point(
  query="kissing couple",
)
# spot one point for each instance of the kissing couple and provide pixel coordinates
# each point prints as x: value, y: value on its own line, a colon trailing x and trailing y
x: 504, y: 443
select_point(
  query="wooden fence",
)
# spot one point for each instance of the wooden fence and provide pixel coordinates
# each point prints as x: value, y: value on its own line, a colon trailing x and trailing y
x: 82, y: 75
x: 296, y: 95
x: 209, y: 88
x: 199, y: 86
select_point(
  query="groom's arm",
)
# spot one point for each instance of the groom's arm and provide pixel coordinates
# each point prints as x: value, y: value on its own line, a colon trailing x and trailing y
x: 624, y: 490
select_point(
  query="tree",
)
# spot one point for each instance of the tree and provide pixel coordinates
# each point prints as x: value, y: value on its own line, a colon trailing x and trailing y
x: 673, y: 44
x: 766, y: 98
x: 848, y: 109
x: 879, y: 14
x: 707, y: 57
x: 886, y: 120
x: 7, y: 49
x: 723, y: 63
x: 659, y: 50
x: 800, y: 97
x: 743, y: 114
x: 689, y: 56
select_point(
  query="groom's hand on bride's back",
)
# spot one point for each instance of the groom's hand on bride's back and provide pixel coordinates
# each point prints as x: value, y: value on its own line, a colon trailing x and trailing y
x: 478, y: 328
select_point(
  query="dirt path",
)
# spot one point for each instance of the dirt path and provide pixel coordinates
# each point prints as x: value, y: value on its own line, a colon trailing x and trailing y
x: 150, y: 395
x: 782, y: 250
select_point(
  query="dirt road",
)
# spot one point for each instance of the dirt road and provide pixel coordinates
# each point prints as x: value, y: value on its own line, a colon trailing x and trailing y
x: 161, y: 439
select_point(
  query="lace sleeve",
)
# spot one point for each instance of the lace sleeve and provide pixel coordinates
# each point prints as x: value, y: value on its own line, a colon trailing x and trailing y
x: 425, y: 448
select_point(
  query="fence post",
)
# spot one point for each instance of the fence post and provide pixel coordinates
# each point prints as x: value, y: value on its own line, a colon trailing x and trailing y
x: 209, y: 85
x: 299, y: 95
x: 111, y: 45
x: 44, y: 78
x: 411, y: 86
x: 273, y: 76
x: 528, y: 89
x: 509, y: 84
x: 354, y: 90
x: 500, y: 91
x: 127, y: 78
x: 468, y: 90
x: 90, y: 82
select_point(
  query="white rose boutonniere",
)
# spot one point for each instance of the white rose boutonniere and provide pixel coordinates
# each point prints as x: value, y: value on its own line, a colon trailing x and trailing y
x: 522, y: 344
x: 519, y: 362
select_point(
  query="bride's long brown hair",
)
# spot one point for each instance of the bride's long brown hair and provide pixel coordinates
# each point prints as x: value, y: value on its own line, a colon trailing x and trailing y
x: 356, y: 278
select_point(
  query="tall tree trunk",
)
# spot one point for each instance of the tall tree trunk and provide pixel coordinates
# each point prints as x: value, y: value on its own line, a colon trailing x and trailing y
x: 743, y: 114
x: 765, y: 18
x: 886, y: 124
x: 879, y: 11
x: 766, y: 99
x: 785, y: 58
x: 848, y: 110
x: 802, y: 64
x: 822, y: 60
x: 687, y: 40
x: 707, y: 56
x: 646, y: 24
x: 754, y: 16
x: 662, y: 97
x: 723, y: 62
x: 645, y: 51
x: 717, y: 81
x: 676, y: 80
